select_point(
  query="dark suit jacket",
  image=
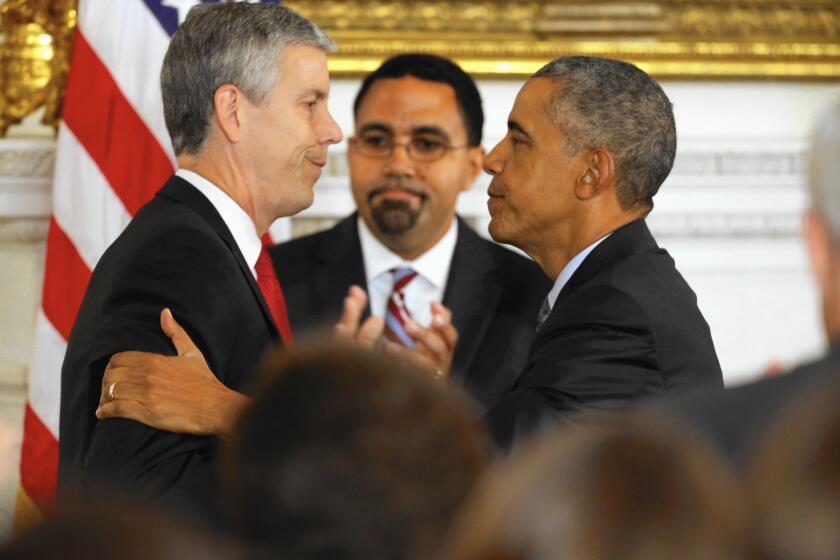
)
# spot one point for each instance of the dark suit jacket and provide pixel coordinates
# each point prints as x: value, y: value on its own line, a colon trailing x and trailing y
x: 625, y: 326
x: 735, y: 420
x: 493, y: 293
x: 176, y: 253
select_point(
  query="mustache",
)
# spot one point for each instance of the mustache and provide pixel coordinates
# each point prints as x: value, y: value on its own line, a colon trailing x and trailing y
x: 400, y: 184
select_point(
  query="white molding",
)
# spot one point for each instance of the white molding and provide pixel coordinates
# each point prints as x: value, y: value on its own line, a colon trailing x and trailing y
x: 26, y: 169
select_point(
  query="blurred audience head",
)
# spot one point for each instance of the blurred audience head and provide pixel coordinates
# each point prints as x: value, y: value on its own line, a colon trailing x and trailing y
x: 824, y: 167
x: 111, y: 531
x: 822, y: 221
x: 605, y: 489
x: 794, y: 484
x: 350, y: 454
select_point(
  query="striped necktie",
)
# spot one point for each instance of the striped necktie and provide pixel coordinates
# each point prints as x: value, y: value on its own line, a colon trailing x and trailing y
x: 396, y: 313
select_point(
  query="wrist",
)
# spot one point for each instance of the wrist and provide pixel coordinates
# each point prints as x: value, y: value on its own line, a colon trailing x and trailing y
x: 226, y: 414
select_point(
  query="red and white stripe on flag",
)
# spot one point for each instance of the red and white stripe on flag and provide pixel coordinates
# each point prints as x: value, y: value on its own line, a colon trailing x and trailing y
x: 113, y: 153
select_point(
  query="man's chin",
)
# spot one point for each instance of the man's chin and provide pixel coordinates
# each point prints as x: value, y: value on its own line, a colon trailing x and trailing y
x: 394, y: 221
x: 498, y: 233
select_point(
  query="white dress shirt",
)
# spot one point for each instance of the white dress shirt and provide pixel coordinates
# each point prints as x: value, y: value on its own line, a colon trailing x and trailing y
x: 569, y: 270
x: 236, y: 219
x: 432, y: 269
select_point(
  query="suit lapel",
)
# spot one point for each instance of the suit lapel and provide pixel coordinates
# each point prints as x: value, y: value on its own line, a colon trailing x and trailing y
x: 341, y: 254
x: 472, y: 293
x: 181, y: 191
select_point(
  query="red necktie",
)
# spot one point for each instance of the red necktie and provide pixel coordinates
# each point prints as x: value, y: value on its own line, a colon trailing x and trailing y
x: 273, y: 294
x: 396, y: 313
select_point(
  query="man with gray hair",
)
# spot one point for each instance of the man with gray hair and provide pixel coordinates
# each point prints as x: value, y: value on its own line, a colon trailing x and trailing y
x: 736, y: 419
x: 245, y: 91
x: 589, y: 143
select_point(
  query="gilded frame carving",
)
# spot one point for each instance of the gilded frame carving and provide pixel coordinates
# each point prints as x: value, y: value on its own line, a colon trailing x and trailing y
x: 671, y: 39
x: 693, y: 39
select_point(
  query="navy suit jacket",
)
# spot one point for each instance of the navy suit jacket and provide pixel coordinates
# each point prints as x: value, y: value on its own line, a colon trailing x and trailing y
x: 736, y: 420
x: 626, y: 326
x: 176, y: 253
x: 494, y: 295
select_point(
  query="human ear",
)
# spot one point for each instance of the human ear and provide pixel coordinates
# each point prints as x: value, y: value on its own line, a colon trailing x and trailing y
x: 598, y: 174
x: 227, y: 102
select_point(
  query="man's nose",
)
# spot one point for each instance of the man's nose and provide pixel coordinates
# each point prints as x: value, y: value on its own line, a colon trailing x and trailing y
x: 494, y: 161
x: 330, y: 131
x: 399, y: 162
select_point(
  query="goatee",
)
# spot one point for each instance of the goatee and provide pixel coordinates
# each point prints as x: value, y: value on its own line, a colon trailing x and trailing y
x: 394, y: 217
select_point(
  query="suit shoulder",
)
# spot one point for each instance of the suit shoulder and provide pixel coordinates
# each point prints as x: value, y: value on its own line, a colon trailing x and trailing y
x: 300, y: 247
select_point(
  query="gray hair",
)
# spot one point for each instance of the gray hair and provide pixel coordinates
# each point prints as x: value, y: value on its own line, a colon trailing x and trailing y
x: 226, y: 43
x: 614, y: 105
x: 824, y: 168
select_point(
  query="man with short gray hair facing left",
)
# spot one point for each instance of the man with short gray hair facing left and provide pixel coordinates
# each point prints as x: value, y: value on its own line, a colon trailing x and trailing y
x: 245, y: 91
x: 589, y: 143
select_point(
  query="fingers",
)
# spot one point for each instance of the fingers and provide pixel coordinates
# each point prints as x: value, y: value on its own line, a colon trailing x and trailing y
x: 442, y: 322
x: 128, y: 359
x: 437, y: 342
x: 176, y: 333
x: 354, y: 307
x: 371, y: 331
x: 131, y: 410
x: 123, y: 390
x: 430, y: 344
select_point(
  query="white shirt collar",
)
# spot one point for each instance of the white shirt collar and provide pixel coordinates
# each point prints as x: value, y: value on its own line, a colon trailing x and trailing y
x: 570, y: 268
x: 433, y: 265
x: 238, y: 221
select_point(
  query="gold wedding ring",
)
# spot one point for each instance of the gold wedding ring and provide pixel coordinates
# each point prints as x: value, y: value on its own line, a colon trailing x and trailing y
x: 111, y: 390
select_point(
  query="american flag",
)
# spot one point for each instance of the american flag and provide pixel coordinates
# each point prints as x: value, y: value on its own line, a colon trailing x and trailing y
x: 113, y: 153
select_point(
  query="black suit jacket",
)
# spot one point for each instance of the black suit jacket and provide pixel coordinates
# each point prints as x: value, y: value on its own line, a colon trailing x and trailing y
x: 736, y: 419
x: 625, y: 326
x: 176, y: 253
x: 493, y: 293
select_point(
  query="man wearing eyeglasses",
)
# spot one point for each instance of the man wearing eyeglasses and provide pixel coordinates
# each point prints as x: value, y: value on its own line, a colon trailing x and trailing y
x: 416, y: 147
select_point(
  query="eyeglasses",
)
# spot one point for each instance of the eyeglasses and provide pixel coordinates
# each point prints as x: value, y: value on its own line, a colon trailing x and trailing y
x: 422, y: 149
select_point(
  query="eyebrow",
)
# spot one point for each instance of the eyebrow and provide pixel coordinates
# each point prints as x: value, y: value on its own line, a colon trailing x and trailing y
x: 514, y: 126
x: 425, y: 129
x: 318, y: 93
x: 377, y: 127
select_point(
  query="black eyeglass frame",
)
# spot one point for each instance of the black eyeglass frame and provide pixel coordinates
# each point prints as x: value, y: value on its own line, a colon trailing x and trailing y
x: 363, y: 150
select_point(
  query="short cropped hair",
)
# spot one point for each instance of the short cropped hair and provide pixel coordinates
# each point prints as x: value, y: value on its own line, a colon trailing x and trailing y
x: 348, y: 454
x: 431, y: 68
x: 114, y: 529
x: 794, y: 480
x: 824, y: 168
x: 614, y: 489
x: 610, y: 104
x: 226, y: 43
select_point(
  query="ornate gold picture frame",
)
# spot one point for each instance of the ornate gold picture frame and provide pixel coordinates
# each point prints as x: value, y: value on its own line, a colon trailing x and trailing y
x: 671, y: 39
x: 695, y: 39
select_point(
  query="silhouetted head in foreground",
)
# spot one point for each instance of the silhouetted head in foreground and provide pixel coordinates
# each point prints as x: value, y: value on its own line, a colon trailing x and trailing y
x: 348, y: 454
x: 621, y: 489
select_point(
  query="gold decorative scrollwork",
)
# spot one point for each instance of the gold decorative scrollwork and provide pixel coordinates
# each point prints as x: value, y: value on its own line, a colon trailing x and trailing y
x: 34, y: 58
x: 698, y: 39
